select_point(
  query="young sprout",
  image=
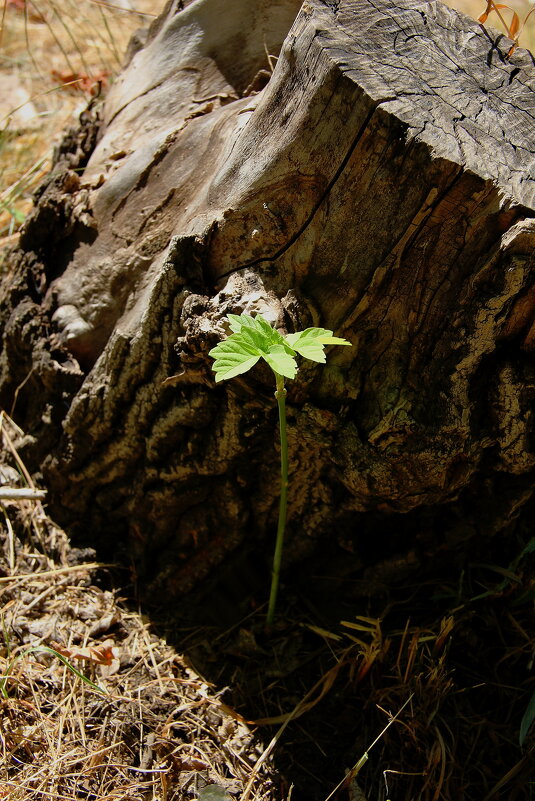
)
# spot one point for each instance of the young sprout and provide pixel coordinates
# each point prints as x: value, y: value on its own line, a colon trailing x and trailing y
x: 253, y: 338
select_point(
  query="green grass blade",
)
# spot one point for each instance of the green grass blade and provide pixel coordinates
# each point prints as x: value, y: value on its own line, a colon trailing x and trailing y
x: 68, y: 665
x: 527, y: 720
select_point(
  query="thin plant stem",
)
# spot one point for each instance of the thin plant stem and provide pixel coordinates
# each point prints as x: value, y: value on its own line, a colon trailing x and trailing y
x: 502, y: 20
x: 280, y: 394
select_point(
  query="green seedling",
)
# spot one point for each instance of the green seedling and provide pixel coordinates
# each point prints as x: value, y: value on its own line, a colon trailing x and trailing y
x: 253, y: 338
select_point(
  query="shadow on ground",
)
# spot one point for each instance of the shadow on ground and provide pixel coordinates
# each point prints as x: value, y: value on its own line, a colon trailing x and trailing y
x: 448, y: 636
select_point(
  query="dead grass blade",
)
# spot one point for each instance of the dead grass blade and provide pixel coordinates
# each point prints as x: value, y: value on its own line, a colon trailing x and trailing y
x: 350, y: 775
x: 313, y: 697
x: 57, y: 571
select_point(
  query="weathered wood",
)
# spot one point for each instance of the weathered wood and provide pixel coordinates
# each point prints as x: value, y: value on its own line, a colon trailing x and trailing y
x: 381, y: 185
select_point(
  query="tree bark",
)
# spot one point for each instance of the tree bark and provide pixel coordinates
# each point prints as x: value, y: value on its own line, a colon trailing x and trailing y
x: 363, y: 165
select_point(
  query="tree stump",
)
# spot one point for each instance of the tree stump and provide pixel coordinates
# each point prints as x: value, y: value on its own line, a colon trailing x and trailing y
x: 362, y: 166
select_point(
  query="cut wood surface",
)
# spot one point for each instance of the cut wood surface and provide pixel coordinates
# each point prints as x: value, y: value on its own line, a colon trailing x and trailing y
x: 363, y: 166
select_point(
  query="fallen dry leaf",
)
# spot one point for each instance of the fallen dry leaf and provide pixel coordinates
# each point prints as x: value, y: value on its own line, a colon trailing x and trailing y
x: 103, y: 654
x: 81, y: 81
x: 20, y: 5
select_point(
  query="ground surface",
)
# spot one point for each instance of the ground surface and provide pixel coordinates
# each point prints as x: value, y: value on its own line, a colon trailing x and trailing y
x: 154, y: 730
x: 192, y: 715
x: 54, y: 56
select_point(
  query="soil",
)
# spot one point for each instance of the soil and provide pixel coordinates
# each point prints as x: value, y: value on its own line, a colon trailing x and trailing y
x: 384, y: 688
x: 452, y: 648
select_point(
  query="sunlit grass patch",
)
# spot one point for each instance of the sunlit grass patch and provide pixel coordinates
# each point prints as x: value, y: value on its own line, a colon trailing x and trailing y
x: 53, y: 57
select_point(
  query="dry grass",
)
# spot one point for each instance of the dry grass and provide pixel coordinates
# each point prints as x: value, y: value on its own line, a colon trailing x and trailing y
x: 52, y: 56
x: 156, y: 730
x: 455, y: 643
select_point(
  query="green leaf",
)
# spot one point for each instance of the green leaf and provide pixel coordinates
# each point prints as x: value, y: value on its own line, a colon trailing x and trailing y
x: 281, y: 361
x: 530, y: 547
x: 253, y: 338
x: 310, y: 343
x: 263, y: 327
x: 260, y: 339
x: 214, y: 792
x: 260, y: 331
x: 236, y: 321
x: 233, y: 357
x: 527, y: 720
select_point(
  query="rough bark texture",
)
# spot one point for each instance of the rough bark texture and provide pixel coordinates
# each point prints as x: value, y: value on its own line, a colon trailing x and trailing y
x: 379, y: 183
